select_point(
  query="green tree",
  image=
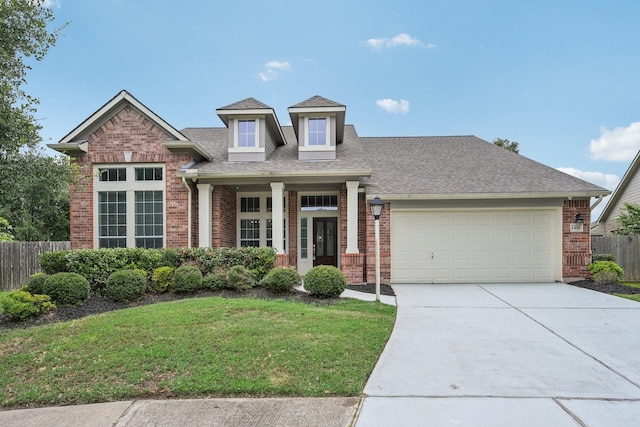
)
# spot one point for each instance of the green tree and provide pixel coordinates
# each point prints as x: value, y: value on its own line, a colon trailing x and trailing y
x: 27, y: 176
x: 507, y: 145
x: 629, y: 219
x: 6, y: 231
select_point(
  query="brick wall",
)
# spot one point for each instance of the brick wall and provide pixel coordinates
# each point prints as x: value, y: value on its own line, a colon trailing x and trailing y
x: 128, y: 130
x: 223, y: 215
x: 385, y: 245
x: 576, y: 246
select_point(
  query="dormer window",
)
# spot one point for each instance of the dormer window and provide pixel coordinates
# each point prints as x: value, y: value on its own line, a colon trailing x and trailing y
x: 247, y: 133
x: 317, y: 132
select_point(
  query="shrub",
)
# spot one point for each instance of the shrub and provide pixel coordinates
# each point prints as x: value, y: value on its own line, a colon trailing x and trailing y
x: 36, y: 283
x: 162, y: 279
x: 54, y: 262
x: 125, y: 285
x: 187, y: 278
x: 281, y: 279
x: 209, y: 260
x: 215, y: 281
x: 605, y: 277
x: 20, y: 305
x: 597, y: 268
x: 67, y: 289
x: 325, y: 281
x: 240, y: 279
x: 603, y: 257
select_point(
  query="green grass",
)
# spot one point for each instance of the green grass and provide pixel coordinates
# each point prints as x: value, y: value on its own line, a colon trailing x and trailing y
x: 195, y: 348
x: 633, y: 297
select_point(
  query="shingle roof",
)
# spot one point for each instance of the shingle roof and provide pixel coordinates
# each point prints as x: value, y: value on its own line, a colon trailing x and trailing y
x: 350, y: 157
x: 462, y: 165
x: 317, y: 101
x: 246, y: 104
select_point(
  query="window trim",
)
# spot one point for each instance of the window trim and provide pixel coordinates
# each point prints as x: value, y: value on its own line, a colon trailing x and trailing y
x: 235, y: 128
x: 130, y: 187
x: 327, y: 146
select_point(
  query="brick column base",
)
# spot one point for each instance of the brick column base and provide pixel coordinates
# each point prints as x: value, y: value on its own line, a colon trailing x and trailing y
x: 282, y: 260
x: 352, y: 265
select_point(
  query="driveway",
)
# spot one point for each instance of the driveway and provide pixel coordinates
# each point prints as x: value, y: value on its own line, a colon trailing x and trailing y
x: 507, y: 355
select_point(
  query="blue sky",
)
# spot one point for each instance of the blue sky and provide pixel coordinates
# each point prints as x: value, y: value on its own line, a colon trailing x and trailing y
x: 561, y: 77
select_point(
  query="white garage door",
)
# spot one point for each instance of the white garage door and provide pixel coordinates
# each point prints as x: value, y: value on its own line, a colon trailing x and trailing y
x: 482, y: 246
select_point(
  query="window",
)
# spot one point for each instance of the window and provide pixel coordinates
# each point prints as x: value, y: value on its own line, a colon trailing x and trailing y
x: 249, y: 232
x: 319, y: 203
x: 270, y: 233
x: 149, y: 219
x: 112, y: 219
x: 304, y: 252
x: 246, y: 133
x: 250, y: 204
x: 129, y: 206
x: 317, y: 132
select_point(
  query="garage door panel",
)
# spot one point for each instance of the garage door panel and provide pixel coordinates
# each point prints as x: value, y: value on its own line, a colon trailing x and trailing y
x: 487, y: 246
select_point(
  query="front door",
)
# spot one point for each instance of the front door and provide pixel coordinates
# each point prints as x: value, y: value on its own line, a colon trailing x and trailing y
x: 325, y: 241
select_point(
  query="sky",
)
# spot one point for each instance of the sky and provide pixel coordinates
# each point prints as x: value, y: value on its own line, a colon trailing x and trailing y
x: 560, y: 77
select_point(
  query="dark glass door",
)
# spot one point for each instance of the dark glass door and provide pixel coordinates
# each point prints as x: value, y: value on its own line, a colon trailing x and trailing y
x: 325, y: 241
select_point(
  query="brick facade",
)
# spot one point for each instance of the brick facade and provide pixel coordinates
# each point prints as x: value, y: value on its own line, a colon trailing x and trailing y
x: 223, y: 212
x: 385, y: 245
x: 128, y: 130
x: 576, y: 246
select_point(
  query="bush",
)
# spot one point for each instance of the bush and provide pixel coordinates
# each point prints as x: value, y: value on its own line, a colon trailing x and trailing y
x: 162, y: 279
x: 240, y: 279
x: 215, y: 281
x: 67, y: 289
x: 281, y: 279
x: 257, y: 260
x: 20, y: 305
x: 36, y: 283
x: 125, y: 285
x: 599, y: 267
x: 605, y: 277
x: 602, y: 257
x: 54, y: 262
x: 187, y: 278
x: 325, y: 281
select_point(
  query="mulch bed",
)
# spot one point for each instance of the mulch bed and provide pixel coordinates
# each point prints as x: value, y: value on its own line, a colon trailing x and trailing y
x: 98, y: 304
x: 609, y: 288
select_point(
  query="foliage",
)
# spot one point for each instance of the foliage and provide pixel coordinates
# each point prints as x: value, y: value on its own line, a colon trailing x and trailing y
x: 600, y: 271
x: 54, y: 262
x: 325, y: 281
x: 6, y: 231
x: 187, y: 278
x: 30, y: 193
x: 67, y: 289
x: 240, y: 278
x: 36, y: 283
x: 629, y: 219
x: 215, y: 281
x: 602, y: 257
x: 162, y: 279
x: 281, y: 279
x: 125, y: 285
x: 605, y: 277
x: 258, y: 260
x: 507, y: 145
x: 20, y: 305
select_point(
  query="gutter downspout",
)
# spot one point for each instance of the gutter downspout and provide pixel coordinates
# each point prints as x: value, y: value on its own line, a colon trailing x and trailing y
x: 596, y: 203
x: 184, y: 181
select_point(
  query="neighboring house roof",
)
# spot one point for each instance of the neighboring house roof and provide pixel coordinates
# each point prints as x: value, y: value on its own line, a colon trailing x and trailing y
x: 462, y: 167
x: 627, y: 191
x: 283, y: 162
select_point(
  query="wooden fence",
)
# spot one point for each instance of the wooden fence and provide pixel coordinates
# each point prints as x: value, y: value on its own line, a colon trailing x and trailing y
x: 626, y: 249
x: 19, y: 260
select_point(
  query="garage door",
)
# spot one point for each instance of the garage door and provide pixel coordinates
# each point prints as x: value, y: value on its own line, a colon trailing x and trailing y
x: 482, y: 246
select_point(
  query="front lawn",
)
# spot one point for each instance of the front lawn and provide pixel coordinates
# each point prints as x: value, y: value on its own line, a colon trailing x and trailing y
x: 196, y: 347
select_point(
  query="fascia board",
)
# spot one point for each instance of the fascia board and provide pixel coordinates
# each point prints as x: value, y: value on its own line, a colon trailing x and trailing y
x: 304, y: 110
x: 191, y: 173
x: 192, y: 148
x: 481, y: 196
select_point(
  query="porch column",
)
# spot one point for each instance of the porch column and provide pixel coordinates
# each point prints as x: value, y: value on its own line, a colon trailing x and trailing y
x: 352, y: 217
x: 277, y: 216
x: 204, y: 215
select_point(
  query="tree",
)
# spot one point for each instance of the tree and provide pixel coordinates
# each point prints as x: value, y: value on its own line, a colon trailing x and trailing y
x: 26, y: 175
x: 507, y: 145
x: 6, y: 231
x: 629, y: 219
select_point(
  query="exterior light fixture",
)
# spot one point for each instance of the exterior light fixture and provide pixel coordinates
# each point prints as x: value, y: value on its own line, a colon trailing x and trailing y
x: 376, y: 210
x: 579, y: 218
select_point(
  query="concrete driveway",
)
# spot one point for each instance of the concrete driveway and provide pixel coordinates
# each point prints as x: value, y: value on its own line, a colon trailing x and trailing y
x: 507, y: 355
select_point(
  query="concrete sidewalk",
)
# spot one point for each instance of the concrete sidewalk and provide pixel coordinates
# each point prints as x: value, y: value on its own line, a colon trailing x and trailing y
x: 507, y: 355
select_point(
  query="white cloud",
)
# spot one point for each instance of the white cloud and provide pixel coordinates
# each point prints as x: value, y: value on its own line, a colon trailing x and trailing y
x: 393, y: 106
x: 51, y: 3
x: 606, y: 180
x: 618, y: 145
x: 272, y: 68
x: 402, y: 39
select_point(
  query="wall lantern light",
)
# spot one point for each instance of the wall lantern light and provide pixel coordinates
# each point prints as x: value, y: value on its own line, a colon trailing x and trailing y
x: 579, y: 218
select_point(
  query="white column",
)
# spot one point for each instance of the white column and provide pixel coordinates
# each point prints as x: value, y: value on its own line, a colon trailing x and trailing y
x: 204, y: 215
x: 277, y: 216
x: 352, y: 217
